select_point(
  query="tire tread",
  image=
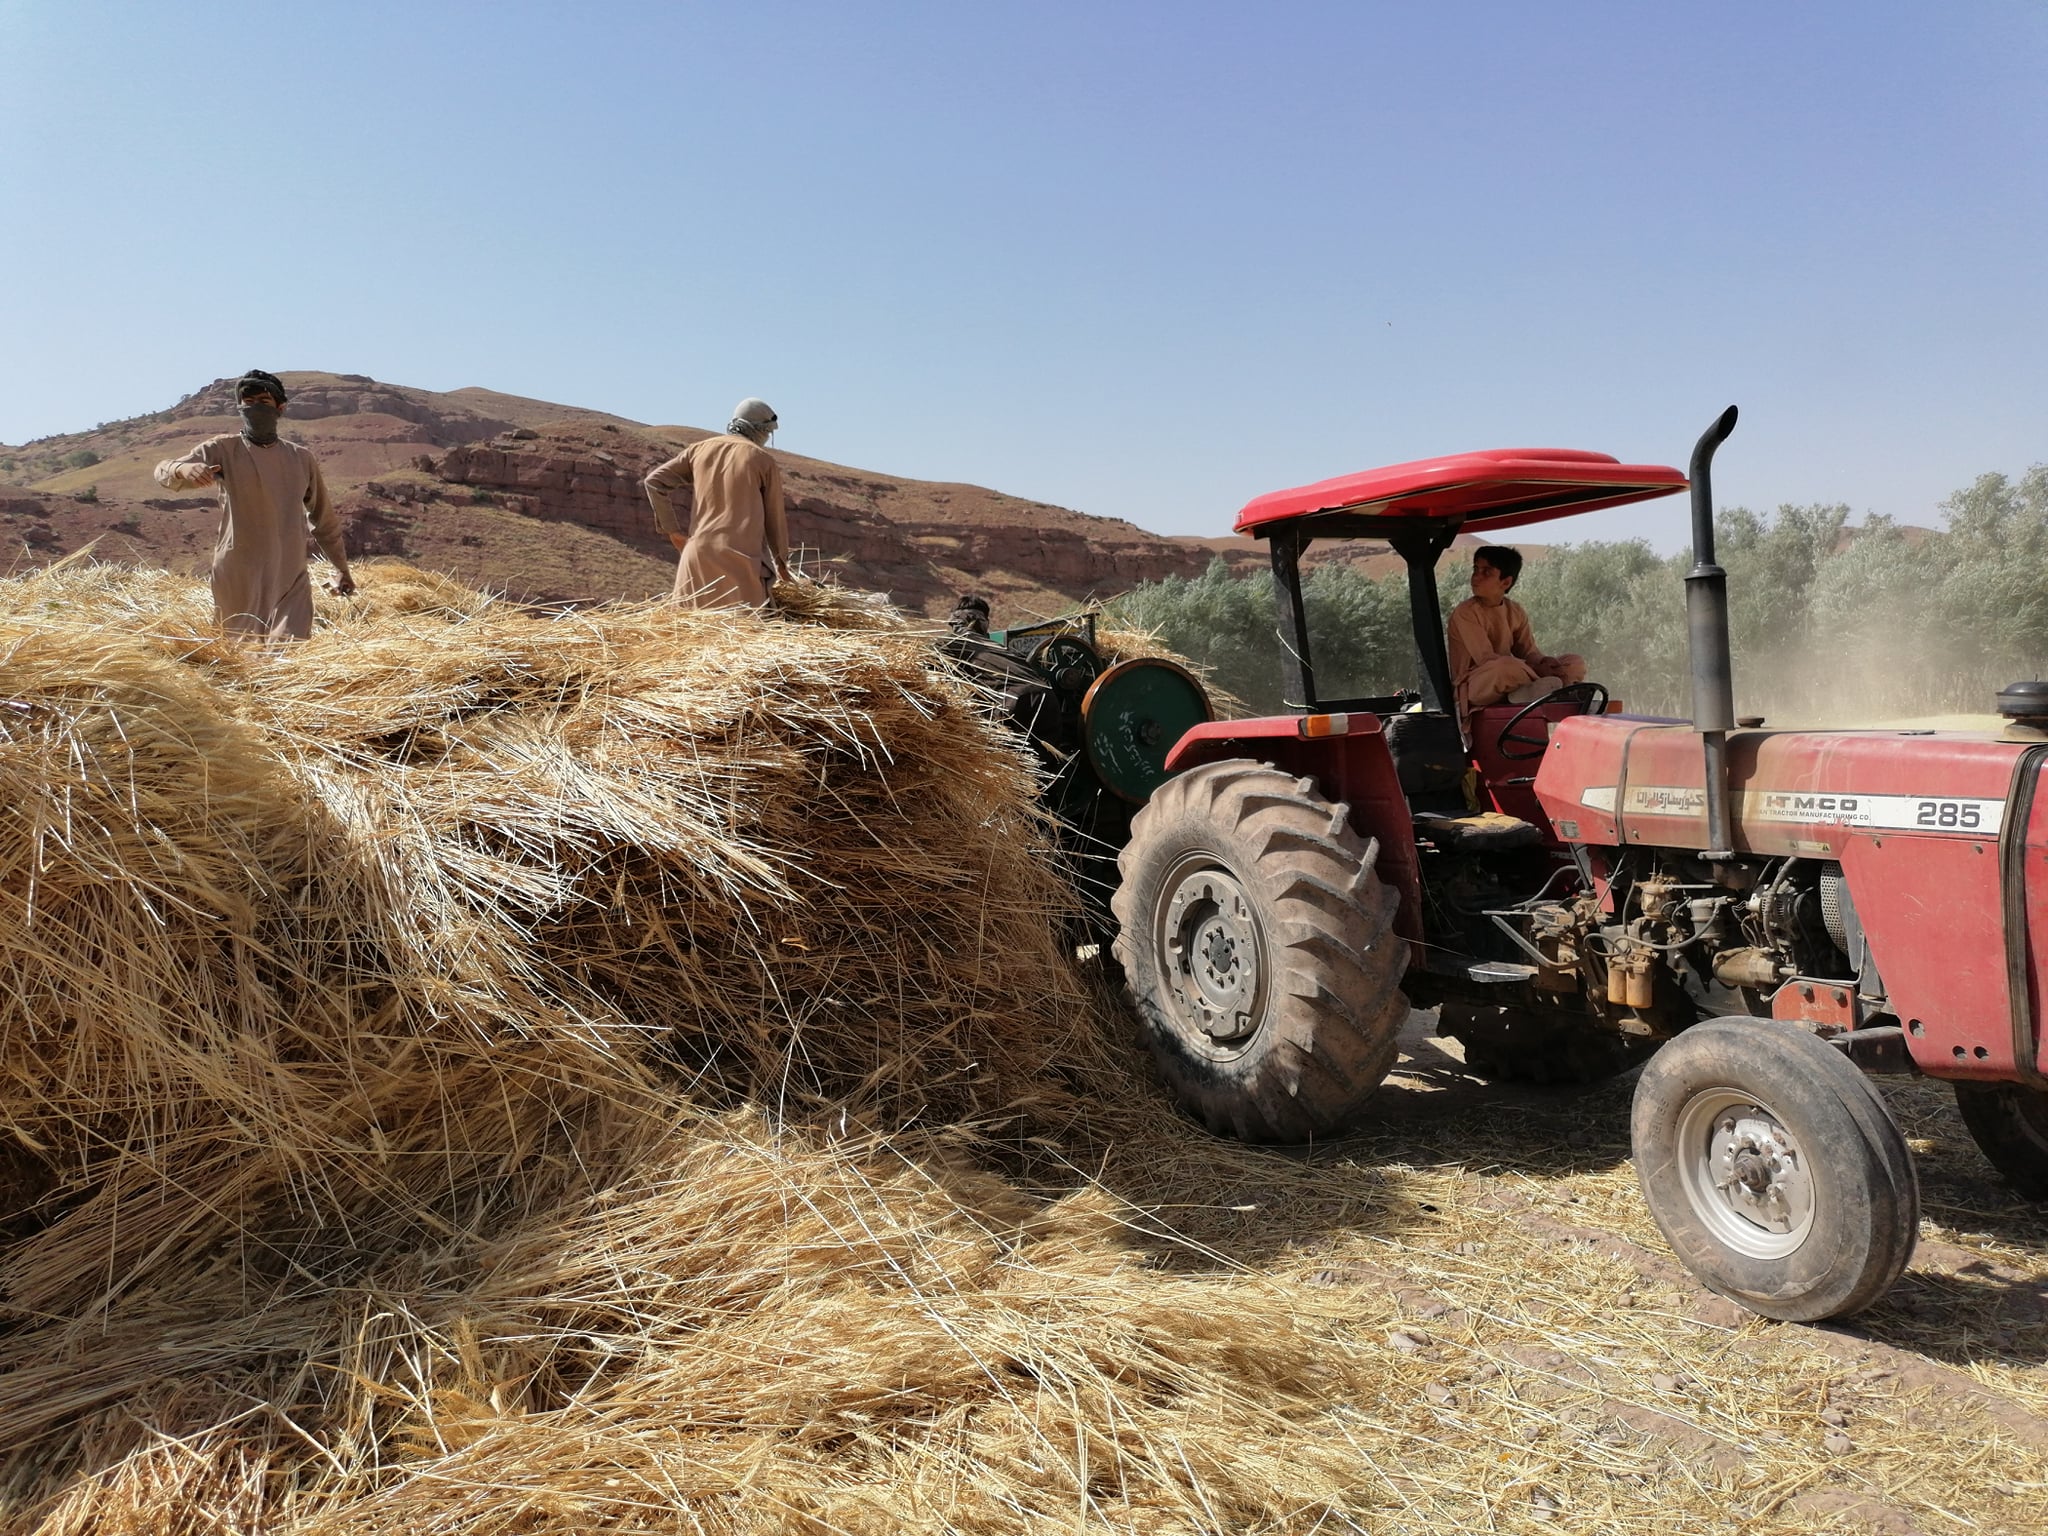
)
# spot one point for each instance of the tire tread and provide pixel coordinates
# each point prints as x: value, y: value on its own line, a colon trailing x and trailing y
x: 1334, y: 1003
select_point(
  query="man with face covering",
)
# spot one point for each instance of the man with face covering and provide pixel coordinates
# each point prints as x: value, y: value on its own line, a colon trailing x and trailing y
x: 271, y: 497
x: 738, y: 539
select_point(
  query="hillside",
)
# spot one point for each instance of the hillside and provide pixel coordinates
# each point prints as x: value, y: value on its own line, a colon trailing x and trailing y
x: 543, y: 501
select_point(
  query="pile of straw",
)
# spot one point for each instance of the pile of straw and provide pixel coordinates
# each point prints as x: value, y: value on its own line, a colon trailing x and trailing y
x: 495, y: 1072
x: 503, y: 1061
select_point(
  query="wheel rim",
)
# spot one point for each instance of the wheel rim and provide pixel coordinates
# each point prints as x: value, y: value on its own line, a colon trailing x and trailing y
x: 1212, y: 953
x: 1746, y: 1175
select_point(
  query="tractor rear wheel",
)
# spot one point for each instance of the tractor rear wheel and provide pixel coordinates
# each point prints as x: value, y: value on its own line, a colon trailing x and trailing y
x: 1774, y: 1170
x: 2009, y: 1123
x: 1550, y: 1049
x: 1259, y: 949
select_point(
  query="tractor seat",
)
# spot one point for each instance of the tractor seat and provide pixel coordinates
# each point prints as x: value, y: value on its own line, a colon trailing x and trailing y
x: 1440, y: 784
x: 1431, y: 762
x: 1478, y: 832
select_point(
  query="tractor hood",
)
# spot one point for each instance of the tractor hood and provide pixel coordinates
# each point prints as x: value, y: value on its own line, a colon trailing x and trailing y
x: 1616, y: 779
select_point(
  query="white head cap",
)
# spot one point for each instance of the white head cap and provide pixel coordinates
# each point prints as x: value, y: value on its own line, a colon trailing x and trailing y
x: 753, y: 419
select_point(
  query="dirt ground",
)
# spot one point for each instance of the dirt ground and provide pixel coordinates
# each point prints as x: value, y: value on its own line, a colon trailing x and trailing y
x: 1552, y: 1365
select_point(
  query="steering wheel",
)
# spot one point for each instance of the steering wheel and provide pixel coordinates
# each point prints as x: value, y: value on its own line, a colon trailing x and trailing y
x: 1592, y: 696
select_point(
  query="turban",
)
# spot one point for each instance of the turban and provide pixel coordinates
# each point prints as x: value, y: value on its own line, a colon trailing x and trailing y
x: 256, y: 379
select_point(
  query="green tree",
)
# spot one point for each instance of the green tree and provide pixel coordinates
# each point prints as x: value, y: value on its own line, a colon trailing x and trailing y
x: 1222, y: 623
x: 1360, y: 638
x: 1993, y: 585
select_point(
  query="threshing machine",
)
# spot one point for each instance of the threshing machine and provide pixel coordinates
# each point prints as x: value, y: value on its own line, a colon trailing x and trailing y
x: 1101, y: 728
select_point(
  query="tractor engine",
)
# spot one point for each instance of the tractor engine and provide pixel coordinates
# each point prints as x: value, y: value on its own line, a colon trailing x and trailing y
x: 1678, y: 939
x: 1795, y: 921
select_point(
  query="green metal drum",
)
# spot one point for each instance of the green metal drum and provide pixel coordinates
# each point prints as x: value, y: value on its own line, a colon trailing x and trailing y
x: 1131, y: 718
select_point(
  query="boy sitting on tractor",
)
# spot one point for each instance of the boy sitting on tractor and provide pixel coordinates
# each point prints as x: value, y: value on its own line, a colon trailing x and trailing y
x: 1493, y: 655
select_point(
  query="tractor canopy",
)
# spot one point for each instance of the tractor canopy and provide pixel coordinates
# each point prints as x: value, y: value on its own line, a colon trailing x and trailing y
x: 1418, y: 508
x: 1493, y: 488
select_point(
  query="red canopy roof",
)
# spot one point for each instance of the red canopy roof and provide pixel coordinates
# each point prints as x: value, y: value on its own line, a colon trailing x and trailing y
x: 1496, y: 488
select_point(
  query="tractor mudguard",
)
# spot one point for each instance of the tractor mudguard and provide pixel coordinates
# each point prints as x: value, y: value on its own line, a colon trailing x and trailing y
x: 1351, y: 764
x: 1957, y: 916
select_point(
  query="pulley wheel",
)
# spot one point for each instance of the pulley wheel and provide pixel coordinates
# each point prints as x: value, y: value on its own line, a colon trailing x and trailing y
x: 1133, y: 716
x: 1070, y: 662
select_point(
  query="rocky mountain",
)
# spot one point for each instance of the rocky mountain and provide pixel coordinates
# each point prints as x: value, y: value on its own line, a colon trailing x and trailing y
x: 543, y: 502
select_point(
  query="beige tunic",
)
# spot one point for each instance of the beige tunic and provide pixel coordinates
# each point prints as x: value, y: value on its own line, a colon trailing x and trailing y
x: 737, y: 529
x: 1493, y: 652
x: 270, y: 499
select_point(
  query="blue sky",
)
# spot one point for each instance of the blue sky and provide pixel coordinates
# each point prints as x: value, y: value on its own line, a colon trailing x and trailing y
x: 1146, y: 260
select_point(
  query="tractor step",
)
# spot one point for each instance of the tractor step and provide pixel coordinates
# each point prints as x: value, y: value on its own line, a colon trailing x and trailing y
x: 1486, y: 972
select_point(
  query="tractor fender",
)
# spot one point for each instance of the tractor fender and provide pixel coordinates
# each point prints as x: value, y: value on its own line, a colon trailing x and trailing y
x: 1351, y: 764
x: 1958, y: 923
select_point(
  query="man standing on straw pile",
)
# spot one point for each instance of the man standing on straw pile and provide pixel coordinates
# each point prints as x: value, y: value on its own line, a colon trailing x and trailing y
x: 738, y: 539
x: 271, y: 496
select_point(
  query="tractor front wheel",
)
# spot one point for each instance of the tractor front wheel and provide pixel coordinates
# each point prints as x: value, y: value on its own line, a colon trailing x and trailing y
x: 1259, y: 949
x: 2009, y: 1123
x: 1774, y: 1170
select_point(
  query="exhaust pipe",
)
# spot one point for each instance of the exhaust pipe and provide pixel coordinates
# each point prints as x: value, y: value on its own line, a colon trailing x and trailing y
x: 1706, y: 621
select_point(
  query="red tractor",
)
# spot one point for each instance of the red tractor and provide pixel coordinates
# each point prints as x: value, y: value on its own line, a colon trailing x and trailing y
x: 1757, y: 916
